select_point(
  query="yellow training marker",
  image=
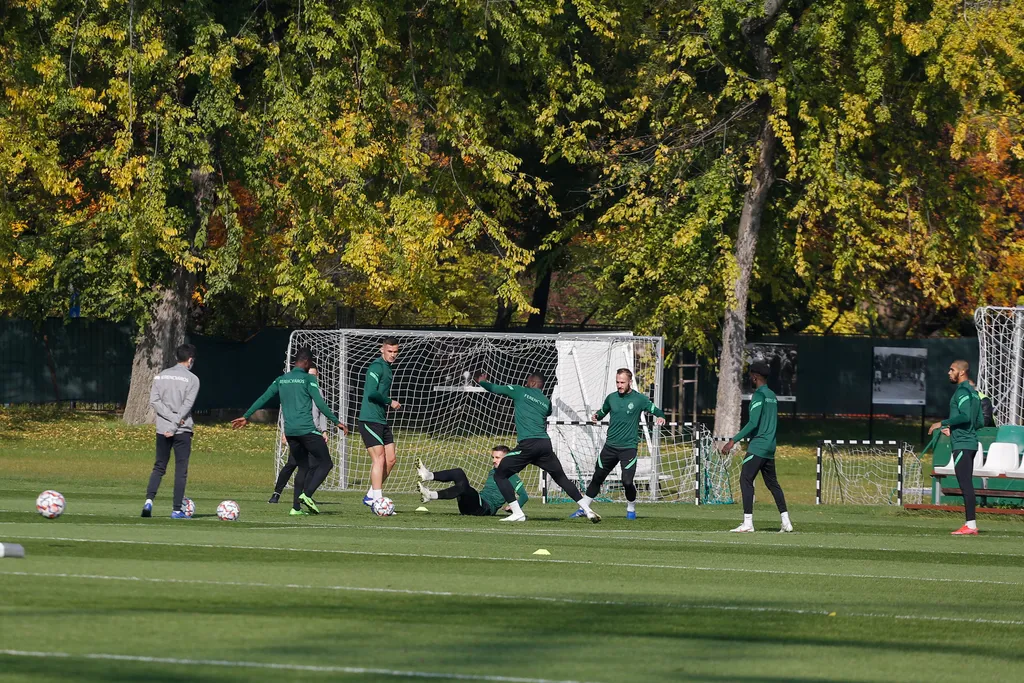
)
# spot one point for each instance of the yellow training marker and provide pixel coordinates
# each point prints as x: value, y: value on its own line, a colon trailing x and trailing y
x: 542, y: 552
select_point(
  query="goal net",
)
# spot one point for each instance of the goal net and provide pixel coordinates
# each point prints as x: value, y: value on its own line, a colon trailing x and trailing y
x: 868, y: 473
x: 675, y: 463
x: 1001, y: 361
x: 449, y: 421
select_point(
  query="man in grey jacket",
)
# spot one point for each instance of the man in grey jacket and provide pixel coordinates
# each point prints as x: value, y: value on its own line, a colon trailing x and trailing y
x: 172, y: 397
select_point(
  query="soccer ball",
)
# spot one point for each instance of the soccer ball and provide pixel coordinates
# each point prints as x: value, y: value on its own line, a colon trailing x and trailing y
x: 50, y: 504
x: 385, y: 507
x: 228, y: 510
x: 188, y: 507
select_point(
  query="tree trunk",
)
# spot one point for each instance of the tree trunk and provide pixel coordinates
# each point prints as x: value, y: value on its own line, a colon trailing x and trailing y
x: 164, y: 332
x: 166, y: 328
x: 541, y: 294
x: 728, y: 404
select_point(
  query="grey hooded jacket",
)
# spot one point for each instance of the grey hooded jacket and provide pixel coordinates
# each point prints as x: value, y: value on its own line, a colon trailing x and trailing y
x: 172, y: 397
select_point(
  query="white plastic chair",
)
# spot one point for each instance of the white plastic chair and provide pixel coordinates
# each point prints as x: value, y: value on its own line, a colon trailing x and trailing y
x: 1002, y: 458
x: 1017, y: 473
x: 948, y: 469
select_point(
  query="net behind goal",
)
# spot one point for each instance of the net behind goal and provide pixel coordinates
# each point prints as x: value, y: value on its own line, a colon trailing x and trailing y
x: 1001, y: 361
x: 446, y: 419
x: 868, y: 473
x: 675, y: 463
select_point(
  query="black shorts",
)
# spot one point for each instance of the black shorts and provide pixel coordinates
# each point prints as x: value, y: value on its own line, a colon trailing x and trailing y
x: 471, y: 504
x: 376, y: 434
x: 612, y: 455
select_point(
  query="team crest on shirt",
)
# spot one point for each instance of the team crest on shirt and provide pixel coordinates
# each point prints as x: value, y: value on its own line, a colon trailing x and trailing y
x: 630, y: 406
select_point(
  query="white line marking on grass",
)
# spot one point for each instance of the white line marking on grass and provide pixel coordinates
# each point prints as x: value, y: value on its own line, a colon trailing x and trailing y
x: 282, y: 667
x: 521, y: 598
x: 602, y: 535
x: 591, y: 563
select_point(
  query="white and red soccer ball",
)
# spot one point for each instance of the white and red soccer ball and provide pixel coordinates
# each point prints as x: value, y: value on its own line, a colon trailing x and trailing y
x: 188, y: 507
x: 383, y: 507
x: 228, y: 510
x: 50, y: 504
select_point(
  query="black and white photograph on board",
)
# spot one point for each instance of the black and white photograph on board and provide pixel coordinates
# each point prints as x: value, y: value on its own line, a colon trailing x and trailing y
x: 898, y: 376
x: 781, y: 360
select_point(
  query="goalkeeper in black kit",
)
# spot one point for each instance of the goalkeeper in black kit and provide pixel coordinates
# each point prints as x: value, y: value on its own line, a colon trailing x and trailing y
x: 298, y: 391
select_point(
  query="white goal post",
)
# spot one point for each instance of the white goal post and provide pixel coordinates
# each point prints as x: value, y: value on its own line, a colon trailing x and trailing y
x: 1001, y: 361
x: 854, y: 472
x: 449, y: 421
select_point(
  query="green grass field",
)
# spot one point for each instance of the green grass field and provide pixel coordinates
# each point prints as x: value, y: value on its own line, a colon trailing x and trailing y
x: 857, y: 594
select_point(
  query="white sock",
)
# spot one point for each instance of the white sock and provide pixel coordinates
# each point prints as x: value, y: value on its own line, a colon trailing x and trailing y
x: 630, y: 506
x: 369, y: 492
x: 514, y: 506
x: 585, y: 502
x: 427, y: 476
x: 433, y: 495
x: 149, y: 501
x: 376, y: 494
x: 785, y: 518
x: 973, y: 524
x: 748, y: 520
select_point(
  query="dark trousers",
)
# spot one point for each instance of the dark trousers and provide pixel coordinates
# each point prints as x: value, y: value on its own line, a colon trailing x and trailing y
x: 467, y: 497
x: 313, y: 461
x: 963, y: 465
x: 610, y: 457
x: 753, y: 464
x: 182, y: 445
x: 532, y: 452
x: 285, y: 474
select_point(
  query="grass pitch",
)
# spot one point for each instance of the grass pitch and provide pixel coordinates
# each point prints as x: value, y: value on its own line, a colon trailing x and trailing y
x: 857, y: 594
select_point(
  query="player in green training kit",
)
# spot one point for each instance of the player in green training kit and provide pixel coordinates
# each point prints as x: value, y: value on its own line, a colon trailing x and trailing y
x: 625, y: 407
x: 298, y: 391
x: 373, y: 419
x: 764, y: 413
x: 472, y: 502
x: 961, y: 426
x: 532, y: 409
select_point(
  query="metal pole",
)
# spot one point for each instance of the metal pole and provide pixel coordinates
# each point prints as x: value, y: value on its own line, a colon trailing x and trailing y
x: 817, y: 482
x: 899, y: 474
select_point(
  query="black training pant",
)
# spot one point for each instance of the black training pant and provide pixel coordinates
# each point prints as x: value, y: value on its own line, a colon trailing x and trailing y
x: 610, y: 457
x: 285, y: 474
x: 753, y: 464
x: 182, y: 445
x: 532, y: 452
x: 467, y: 497
x: 313, y: 460
x: 963, y: 465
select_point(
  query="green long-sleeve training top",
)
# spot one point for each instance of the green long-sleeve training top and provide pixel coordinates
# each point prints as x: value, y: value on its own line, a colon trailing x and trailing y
x: 625, y: 411
x: 298, y: 391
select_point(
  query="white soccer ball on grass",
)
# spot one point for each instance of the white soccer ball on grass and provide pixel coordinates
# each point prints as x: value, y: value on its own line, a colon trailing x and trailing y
x: 228, y: 510
x: 50, y: 504
x: 384, y: 507
x: 188, y: 507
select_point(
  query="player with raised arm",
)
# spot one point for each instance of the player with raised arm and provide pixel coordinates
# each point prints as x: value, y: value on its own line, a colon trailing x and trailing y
x: 471, y: 502
x: 299, y: 391
x: 626, y: 408
x: 172, y: 396
x: 532, y: 409
x: 320, y: 423
x: 373, y: 419
x: 961, y: 426
x: 762, y: 423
